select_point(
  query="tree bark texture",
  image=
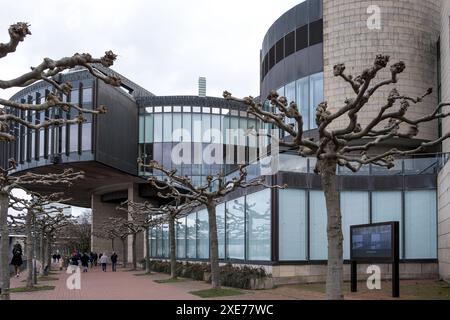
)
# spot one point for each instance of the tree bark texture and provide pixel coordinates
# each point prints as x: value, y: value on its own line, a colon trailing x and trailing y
x: 173, y: 257
x: 29, y: 249
x: 147, y: 250
x: 4, y: 246
x: 134, y: 253
x: 213, y: 247
x: 124, y: 252
x: 334, y: 230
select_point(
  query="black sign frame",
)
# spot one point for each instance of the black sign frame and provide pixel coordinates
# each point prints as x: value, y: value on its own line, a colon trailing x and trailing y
x: 394, y: 259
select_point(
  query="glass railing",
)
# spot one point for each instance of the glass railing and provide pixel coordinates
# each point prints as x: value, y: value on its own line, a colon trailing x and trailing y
x: 419, y: 164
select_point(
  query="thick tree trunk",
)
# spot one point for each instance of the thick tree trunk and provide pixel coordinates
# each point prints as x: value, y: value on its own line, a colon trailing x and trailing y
x: 334, y: 230
x: 112, y: 245
x: 134, y: 253
x: 4, y: 246
x: 41, y: 253
x: 147, y: 250
x: 172, y: 241
x: 48, y: 251
x: 124, y: 252
x: 29, y: 249
x: 213, y: 247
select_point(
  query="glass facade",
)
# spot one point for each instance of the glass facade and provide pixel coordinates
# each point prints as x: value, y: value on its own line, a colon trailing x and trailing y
x: 234, y: 217
x: 245, y: 225
x: 199, y: 137
x: 357, y: 207
x: 307, y: 93
x: 292, y: 225
x: 71, y: 142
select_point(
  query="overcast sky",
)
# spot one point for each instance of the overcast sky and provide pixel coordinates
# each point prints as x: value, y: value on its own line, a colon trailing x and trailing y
x: 162, y: 45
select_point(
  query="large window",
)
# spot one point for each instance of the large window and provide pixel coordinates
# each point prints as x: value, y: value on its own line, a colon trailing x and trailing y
x: 176, y: 126
x: 307, y: 92
x: 87, y: 95
x: 220, y: 218
x: 315, y: 96
x: 159, y: 242
x: 158, y: 126
x: 86, y: 140
x: 355, y: 210
x: 420, y: 224
x: 153, y: 243
x: 165, y: 238
x: 303, y: 100
x: 202, y: 235
x: 387, y: 206
x: 191, y: 236
x: 73, y: 137
x: 148, y: 129
x: 181, y: 238
x: 236, y: 228
x: 258, y: 225
x: 167, y: 136
x: 292, y: 224
x: 318, y: 226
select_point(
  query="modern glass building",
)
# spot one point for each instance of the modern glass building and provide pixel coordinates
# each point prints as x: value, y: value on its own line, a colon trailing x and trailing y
x: 282, y: 230
x: 278, y: 227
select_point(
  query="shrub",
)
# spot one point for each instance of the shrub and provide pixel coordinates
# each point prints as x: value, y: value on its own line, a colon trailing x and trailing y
x: 240, y: 276
x: 230, y: 276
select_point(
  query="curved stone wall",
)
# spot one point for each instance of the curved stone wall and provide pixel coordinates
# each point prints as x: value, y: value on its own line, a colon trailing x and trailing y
x: 409, y: 32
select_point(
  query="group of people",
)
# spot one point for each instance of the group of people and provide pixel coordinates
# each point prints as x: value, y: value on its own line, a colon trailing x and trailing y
x: 84, y: 260
x: 89, y: 260
x: 56, y: 257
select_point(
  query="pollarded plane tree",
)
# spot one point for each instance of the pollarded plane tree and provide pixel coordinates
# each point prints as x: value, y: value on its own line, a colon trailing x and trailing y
x: 215, y: 188
x: 11, y: 116
x: 50, y: 221
x: 153, y: 216
x: 76, y: 235
x: 348, y: 146
x: 133, y: 228
x: 147, y: 216
x: 10, y: 182
x: 27, y: 210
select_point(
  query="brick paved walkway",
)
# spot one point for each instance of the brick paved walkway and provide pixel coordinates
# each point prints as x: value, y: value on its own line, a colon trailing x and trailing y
x: 99, y: 285
x: 125, y: 285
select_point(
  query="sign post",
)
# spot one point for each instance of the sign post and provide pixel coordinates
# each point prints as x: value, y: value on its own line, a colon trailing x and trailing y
x: 376, y: 242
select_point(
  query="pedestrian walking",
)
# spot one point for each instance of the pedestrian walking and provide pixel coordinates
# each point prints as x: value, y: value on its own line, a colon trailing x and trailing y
x: 58, y: 257
x: 104, y: 261
x: 95, y: 258
x: 54, y: 258
x: 114, y: 261
x: 85, y: 262
x: 74, y: 259
x: 91, y: 259
x: 16, y: 260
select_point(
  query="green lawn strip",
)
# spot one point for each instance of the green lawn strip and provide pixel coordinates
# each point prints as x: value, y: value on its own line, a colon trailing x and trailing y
x: 32, y: 289
x: 169, y: 280
x: 213, y: 293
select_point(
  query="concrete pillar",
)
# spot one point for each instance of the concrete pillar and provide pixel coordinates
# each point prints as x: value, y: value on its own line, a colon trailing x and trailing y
x: 133, y: 195
x: 101, y: 211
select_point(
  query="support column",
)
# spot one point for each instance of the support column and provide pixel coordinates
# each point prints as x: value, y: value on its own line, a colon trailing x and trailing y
x: 101, y: 211
x: 133, y: 195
